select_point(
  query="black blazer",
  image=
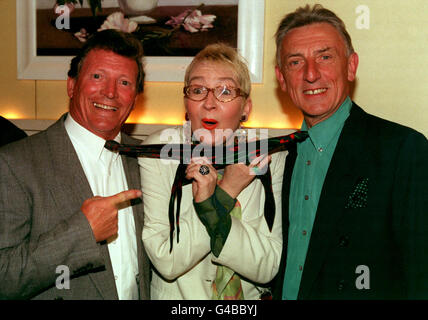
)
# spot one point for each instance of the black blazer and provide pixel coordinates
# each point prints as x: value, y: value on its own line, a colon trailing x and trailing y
x: 385, y: 230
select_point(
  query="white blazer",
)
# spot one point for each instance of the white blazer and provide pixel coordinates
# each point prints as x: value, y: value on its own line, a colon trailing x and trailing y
x: 190, y: 269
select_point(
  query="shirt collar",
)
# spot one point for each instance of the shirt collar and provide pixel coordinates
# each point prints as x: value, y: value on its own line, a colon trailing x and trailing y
x: 323, y: 133
x: 90, y: 142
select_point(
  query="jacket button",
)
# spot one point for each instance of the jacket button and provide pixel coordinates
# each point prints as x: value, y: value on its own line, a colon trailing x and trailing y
x: 343, y: 241
x: 340, y: 285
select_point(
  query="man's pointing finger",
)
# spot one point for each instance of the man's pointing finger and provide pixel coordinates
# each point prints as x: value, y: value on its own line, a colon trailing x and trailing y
x: 125, y: 196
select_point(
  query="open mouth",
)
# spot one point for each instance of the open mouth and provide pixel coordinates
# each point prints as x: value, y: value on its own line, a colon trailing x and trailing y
x: 104, y: 106
x: 315, y: 91
x: 209, y: 124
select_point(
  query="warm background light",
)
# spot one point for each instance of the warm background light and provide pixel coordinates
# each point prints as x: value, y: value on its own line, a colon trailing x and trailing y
x: 11, y: 114
x: 391, y: 80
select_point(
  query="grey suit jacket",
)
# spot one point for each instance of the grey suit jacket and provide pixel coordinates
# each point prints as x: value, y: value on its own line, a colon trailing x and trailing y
x: 42, y: 188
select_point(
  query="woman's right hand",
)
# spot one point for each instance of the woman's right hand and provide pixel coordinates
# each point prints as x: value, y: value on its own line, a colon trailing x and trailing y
x: 238, y: 176
x: 203, y: 186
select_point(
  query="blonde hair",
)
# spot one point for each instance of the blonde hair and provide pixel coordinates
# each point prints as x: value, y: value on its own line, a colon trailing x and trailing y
x: 225, y: 54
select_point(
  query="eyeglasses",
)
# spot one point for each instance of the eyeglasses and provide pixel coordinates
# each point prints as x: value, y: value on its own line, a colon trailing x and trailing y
x: 221, y: 93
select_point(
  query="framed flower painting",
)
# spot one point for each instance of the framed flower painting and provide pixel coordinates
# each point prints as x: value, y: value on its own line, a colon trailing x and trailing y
x: 50, y: 32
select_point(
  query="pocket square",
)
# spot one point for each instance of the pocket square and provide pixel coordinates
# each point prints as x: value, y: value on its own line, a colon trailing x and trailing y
x: 358, y: 197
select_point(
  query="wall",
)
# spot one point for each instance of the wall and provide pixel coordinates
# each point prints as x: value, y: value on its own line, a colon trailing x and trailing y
x: 391, y: 80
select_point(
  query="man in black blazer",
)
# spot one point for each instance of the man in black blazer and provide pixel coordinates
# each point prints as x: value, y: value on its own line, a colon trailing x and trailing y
x: 70, y: 214
x: 9, y: 132
x: 355, y: 193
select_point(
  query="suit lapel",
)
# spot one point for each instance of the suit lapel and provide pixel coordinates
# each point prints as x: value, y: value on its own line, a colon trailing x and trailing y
x: 71, y: 190
x: 71, y: 183
x: 286, y: 183
x: 285, y: 198
x: 340, y: 179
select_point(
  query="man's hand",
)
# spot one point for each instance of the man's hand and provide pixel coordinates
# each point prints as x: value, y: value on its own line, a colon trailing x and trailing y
x: 101, y: 212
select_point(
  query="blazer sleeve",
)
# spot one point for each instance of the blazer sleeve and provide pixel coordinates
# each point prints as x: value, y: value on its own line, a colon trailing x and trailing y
x: 251, y: 249
x: 29, y: 258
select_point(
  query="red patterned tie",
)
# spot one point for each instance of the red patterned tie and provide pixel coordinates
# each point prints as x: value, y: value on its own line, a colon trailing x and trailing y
x: 273, y: 145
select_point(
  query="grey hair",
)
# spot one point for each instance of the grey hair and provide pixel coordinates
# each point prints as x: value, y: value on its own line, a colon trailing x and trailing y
x: 305, y: 16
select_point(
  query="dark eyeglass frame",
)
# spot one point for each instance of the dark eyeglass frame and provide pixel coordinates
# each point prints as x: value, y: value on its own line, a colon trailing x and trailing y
x: 239, y: 92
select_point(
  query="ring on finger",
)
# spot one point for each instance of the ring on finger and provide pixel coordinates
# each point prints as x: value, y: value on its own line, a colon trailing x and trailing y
x: 204, y: 170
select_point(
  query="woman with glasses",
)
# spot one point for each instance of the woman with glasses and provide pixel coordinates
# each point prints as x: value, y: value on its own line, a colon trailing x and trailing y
x: 213, y: 241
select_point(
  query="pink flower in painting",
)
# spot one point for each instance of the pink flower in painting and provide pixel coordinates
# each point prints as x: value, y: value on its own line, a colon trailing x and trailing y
x: 192, y: 20
x: 82, y: 35
x: 118, y: 21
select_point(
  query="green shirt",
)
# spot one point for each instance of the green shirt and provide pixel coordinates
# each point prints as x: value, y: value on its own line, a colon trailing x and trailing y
x: 312, y: 162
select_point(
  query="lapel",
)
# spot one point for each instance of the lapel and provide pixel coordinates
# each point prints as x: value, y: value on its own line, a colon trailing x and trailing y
x: 72, y: 186
x: 72, y: 189
x: 278, y: 282
x: 340, y: 179
x: 286, y: 182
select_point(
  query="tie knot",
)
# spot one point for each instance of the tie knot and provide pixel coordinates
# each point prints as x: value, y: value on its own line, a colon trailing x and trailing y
x: 112, y: 145
x: 300, y: 136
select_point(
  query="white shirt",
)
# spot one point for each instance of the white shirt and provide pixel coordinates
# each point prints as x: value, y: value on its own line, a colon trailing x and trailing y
x: 105, y: 174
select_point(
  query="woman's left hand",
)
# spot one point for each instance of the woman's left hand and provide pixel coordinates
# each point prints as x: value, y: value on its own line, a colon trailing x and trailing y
x: 203, y: 186
x: 238, y: 176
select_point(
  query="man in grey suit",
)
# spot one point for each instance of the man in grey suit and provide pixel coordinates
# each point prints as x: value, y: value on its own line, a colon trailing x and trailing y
x: 70, y: 212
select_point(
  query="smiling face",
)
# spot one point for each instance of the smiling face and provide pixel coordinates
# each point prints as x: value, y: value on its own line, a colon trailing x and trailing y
x: 316, y: 71
x: 210, y: 115
x: 104, y: 93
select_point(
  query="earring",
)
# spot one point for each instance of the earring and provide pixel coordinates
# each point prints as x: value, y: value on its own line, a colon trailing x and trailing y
x: 186, y: 116
x: 244, y: 118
